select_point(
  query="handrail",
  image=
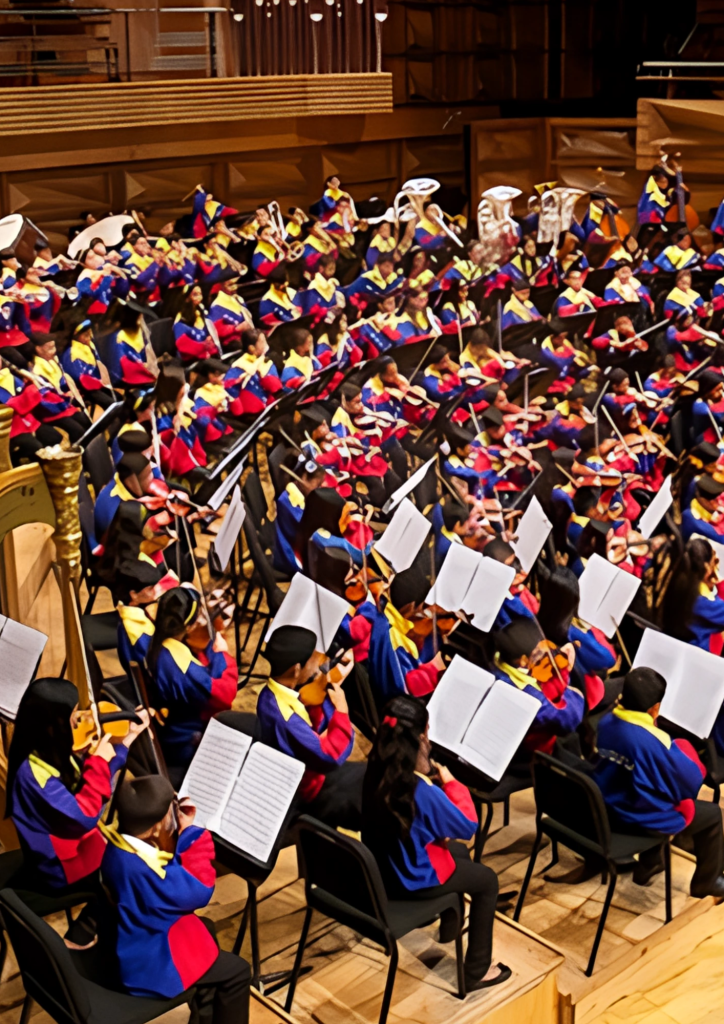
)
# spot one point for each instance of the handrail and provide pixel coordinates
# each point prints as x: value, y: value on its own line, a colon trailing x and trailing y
x: 74, y: 12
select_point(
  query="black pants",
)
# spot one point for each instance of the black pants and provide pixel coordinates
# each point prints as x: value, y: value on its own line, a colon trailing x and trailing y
x: 481, y: 885
x: 99, y: 396
x: 74, y: 426
x: 222, y: 994
x: 705, y: 835
x: 339, y: 802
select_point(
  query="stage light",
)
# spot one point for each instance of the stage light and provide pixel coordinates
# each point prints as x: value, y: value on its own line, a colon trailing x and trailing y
x: 316, y: 10
x: 238, y: 17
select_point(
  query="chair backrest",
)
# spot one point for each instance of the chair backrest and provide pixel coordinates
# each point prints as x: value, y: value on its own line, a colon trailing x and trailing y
x: 426, y: 493
x: 47, y: 969
x: 162, y: 339
x: 257, y: 508
x: 571, y: 799
x: 342, y: 873
x: 243, y: 721
x: 98, y: 463
x: 275, y: 458
x: 274, y: 594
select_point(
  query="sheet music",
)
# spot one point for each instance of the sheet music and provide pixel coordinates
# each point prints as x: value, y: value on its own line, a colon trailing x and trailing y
x: 532, y: 532
x: 403, y: 538
x: 498, y: 728
x: 694, y: 681
x: 313, y: 607
x: 213, y: 772
x: 455, y: 700
x: 229, y: 531
x: 20, y: 651
x: 488, y: 589
x: 454, y: 578
x: 260, y: 800
x: 409, y: 485
x: 605, y: 594
x: 656, y: 510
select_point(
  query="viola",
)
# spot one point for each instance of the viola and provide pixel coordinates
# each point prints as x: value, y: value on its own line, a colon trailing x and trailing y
x: 550, y: 662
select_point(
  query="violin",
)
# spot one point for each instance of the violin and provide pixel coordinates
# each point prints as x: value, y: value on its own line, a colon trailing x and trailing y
x: 103, y: 719
x: 548, y: 658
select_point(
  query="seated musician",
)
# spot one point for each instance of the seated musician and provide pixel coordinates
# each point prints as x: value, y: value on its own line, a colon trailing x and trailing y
x: 323, y: 298
x: 57, y: 406
x: 417, y: 322
x: 523, y: 659
x: 318, y: 734
x: 560, y: 354
x: 252, y: 381
x: 41, y: 302
x: 449, y: 524
x: 208, y: 212
x: 327, y: 523
x: 479, y: 355
x: 132, y: 480
x: 80, y: 360
x: 430, y: 234
x: 693, y: 611
x: 654, y: 202
x: 665, y: 380
x: 377, y: 332
x: 280, y: 303
x: 193, y: 340
x: 126, y: 346
x: 519, y: 309
x: 193, y: 674
x: 421, y: 274
x: 376, y: 283
x: 412, y: 810
x: 98, y: 283
x: 564, y: 429
x: 290, y: 508
x: 624, y: 287
x: 617, y: 344
x: 684, y: 299
x: 228, y: 312
x: 575, y: 298
x: 569, y: 258
x: 382, y: 243
x: 301, y: 362
x: 210, y: 400
x: 525, y: 266
x: 331, y: 196
x: 458, y: 310
x: 469, y: 270
x: 27, y: 433
x: 707, y: 411
x: 440, y: 379
x: 679, y: 255
x: 318, y: 243
x: 179, y: 266
x: 56, y: 794
x: 159, y: 869
x: 143, y: 265
x: 650, y: 783
x: 705, y: 515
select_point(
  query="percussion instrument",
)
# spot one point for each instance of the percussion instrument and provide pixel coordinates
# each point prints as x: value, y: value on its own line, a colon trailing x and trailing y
x: 21, y: 237
x: 109, y: 230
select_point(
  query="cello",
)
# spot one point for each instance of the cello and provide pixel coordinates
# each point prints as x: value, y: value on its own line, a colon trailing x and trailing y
x: 680, y: 212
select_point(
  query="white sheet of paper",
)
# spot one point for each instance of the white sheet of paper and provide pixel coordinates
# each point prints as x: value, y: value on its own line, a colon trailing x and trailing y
x: 260, y: 800
x: 229, y: 530
x: 498, y: 728
x: 313, y: 607
x: 656, y: 510
x: 694, y: 680
x: 213, y: 772
x: 532, y: 532
x: 455, y: 700
x: 605, y: 594
x: 454, y: 579
x: 487, y: 591
x: 20, y: 650
x: 408, y: 486
x: 404, y: 536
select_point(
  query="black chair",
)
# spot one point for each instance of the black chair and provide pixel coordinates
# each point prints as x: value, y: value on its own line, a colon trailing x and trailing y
x: 264, y: 581
x: 362, y: 708
x: 342, y: 881
x: 52, y: 978
x: 570, y: 810
x: 256, y: 505
x: 98, y: 464
x: 275, y: 458
x: 162, y: 339
x: 101, y: 630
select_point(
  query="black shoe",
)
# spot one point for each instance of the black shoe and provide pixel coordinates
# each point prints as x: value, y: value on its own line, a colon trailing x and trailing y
x: 476, y: 986
x: 581, y: 873
x: 715, y: 889
x: 644, y: 874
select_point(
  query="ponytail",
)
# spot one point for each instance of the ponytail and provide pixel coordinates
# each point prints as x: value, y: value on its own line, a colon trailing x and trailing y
x: 390, y: 783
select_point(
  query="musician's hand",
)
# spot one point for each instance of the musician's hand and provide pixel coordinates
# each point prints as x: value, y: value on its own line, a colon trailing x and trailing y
x: 444, y: 774
x: 134, y: 729
x: 439, y: 662
x: 342, y: 669
x: 336, y: 695
x: 220, y: 644
x: 104, y: 748
x: 186, y: 813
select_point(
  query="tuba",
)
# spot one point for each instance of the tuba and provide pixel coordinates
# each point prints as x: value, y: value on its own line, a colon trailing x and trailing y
x: 556, y: 212
x: 410, y: 203
x: 497, y: 230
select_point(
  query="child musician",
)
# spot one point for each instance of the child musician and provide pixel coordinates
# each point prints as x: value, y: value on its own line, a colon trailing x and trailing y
x: 157, y: 880
x: 408, y: 822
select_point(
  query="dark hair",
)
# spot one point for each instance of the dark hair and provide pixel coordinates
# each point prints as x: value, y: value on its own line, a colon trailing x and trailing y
x: 326, y: 259
x: 289, y: 646
x: 388, y: 805
x: 559, y: 593
x: 176, y: 610
x: 135, y: 400
x: 42, y: 727
x: 298, y: 337
x: 189, y: 311
x: 642, y: 689
x: 322, y: 510
x: 350, y: 390
x: 585, y: 498
x: 683, y: 588
x: 251, y: 337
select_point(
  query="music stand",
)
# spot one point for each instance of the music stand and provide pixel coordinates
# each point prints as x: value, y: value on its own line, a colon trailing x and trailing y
x: 607, y: 315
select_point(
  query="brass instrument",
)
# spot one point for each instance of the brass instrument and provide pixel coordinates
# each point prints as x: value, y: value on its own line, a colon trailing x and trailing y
x: 409, y: 202
x: 556, y: 212
x: 289, y: 250
x: 496, y: 227
x: 223, y: 255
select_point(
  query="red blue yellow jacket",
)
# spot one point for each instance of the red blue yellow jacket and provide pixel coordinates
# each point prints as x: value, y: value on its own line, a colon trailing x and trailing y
x: 143, y: 272
x: 517, y: 311
x: 314, y: 249
x: 127, y: 359
x: 97, y: 286
x: 80, y: 361
x: 23, y: 398
x: 423, y: 860
x: 227, y: 312
x: 55, y: 400
x: 252, y: 383
x: 376, y: 339
x: 653, y: 204
x: 15, y: 327
x: 379, y: 246
x: 207, y: 212
x: 647, y: 779
x: 41, y: 305
x: 193, y: 341
x: 558, y: 714
x: 461, y: 270
x: 570, y: 302
x: 290, y: 509
x: 193, y: 689
x: 320, y: 736
x: 265, y: 258
x: 58, y: 827
x: 616, y: 292
x: 135, y: 631
x: 162, y: 946
x: 429, y: 235
x: 372, y: 285
x: 322, y: 295
x: 707, y: 621
x: 414, y: 326
x: 210, y: 402
x: 279, y: 306
x: 672, y: 258
x: 465, y: 314
x: 298, y: 370
x: 393, y: 660
x: 681, y: 300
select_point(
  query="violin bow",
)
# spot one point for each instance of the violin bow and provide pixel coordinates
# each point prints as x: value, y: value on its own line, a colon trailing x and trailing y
x: 197, y: 575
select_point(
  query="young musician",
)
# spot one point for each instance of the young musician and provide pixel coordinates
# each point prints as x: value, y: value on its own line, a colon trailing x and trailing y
x: 193, y: 340
x: 80, y: 360
x: 252, y: 381
x: 413, y: 810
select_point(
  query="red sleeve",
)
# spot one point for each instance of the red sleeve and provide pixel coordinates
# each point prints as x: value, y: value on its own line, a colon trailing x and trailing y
x: 224, y: 687
x: 26, y: 401
x: 337, y: 737
x: 271, y: 383
x: 134, y: 372
x: 197, y: 858
x: 460, y: 796
x: 190, y: 348
x: 96, y: 787
x: 686, y: 748
x: 360, y: 629
x: 422, y: 680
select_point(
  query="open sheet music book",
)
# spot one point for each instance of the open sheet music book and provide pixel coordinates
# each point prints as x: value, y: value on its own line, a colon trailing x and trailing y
x: 313, y: 607
x: 242, y: 790
x: 472, y: 584
x: 480, y: 718
x: 20, y: 651
x: 694, y: 680
x: 404, y: 536
x: 605, y: 594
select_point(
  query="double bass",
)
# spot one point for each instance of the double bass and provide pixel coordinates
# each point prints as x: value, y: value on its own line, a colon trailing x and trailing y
x: 680, y: 212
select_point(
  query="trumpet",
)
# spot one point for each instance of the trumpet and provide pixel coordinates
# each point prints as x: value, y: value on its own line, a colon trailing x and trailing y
x: 223, y: 256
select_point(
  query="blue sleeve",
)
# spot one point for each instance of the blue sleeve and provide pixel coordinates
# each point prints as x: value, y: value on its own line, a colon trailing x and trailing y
x: 442, y: 818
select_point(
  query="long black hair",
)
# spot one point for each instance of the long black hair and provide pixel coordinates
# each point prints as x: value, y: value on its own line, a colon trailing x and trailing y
x: 177, y: 609
x: 42, y: 727
x: 683, y: 588
x: 388, y: 806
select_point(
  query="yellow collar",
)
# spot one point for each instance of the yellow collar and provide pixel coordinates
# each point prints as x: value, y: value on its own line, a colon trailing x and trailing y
x: 518, y: 676
x: 295, y: 495
x: 326, y: 286
x: 180, y: 653
x: 302, y: 363
x: 152, y: 857
x: 133, y: 339
x: 288, y: 701
x: 645, y: 721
